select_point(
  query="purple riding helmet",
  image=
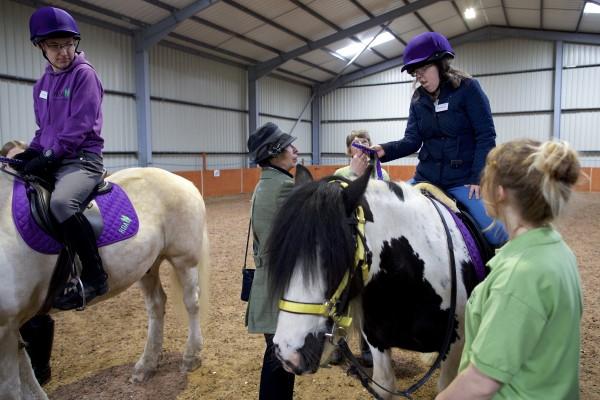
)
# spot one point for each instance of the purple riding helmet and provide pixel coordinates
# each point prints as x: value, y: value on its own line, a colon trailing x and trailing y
x: 48, y: 22
x: 426, y: 48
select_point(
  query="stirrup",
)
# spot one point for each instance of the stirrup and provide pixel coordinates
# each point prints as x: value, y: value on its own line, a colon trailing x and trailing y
x: 75, y: 295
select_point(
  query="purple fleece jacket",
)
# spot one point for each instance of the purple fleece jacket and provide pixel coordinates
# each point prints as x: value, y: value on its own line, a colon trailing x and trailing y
x: 67, y: 107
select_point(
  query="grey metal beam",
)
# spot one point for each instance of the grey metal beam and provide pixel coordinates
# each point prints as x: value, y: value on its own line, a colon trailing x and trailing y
x: 486, y: 33
x: 557, y: 91
x: 421, y: 19
x: 371, y: 15
x: 142, y: 104
x: 504, y: 12
x: 315, y: 129
x: 154, y: 33
x: 580, y: 17
x: 253, y: 102
x: 327, y: 22
x: 265, y: 67
x: 281, y: 28
x: 460, y: 14
x: 542, y: 14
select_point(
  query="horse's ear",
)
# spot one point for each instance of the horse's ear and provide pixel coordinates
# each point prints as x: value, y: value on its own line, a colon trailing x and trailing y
x: 355, y: 190
x: 303, y: 175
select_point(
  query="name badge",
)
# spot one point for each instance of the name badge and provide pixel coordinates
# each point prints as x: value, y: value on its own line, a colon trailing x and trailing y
x: 441, y: 107
x: 44, y: 95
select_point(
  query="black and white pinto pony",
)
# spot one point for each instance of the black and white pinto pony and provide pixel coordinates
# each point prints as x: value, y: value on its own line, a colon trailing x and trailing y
x: 405, y: 300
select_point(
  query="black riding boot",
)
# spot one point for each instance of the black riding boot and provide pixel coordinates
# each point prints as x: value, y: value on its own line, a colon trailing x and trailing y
x: 78, y: 233
x: 38, y: 334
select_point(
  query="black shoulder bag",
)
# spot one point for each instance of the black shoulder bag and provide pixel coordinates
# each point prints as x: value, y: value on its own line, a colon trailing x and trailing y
x: 247, y: 273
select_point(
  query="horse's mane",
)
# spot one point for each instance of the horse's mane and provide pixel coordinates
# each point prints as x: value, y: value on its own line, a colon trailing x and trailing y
x: 312, y: 218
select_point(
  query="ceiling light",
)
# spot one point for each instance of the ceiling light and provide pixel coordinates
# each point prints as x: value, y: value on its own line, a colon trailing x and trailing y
x: 591, y: 8
x: 353, y: 49
x: 470, y: 13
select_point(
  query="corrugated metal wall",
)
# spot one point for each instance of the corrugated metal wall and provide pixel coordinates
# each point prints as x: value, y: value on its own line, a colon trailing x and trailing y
x: 517, y: 76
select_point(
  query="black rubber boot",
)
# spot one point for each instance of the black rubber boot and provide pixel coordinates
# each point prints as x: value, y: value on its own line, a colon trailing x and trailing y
x: 78, y: 233
x: 38, y: 334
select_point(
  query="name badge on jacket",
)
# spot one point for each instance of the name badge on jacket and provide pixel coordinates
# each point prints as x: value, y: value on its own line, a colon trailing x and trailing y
x: 44, y: 95
x: 441, y: 107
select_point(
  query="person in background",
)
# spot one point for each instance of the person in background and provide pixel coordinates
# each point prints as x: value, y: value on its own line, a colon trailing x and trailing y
x: 68, y: 144
x: 273, y: 151
x: 38, y: 332
x: 450, y: 124
x: 359, y: 161
x: 522, y: 323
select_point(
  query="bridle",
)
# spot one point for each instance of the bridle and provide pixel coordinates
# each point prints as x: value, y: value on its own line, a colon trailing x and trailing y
x: 339, y: 302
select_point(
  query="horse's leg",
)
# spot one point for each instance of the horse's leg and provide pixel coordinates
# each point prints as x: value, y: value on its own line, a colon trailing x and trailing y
x: 155, y: 299
x: 449, y: 367
x: 188, y: 278
x: 30, y: 388
x: 383, y: 372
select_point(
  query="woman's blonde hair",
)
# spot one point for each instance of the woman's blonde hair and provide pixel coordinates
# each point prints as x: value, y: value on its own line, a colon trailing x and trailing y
x: 539, y: 177
x: 360, y: 133
x: 8, y: 146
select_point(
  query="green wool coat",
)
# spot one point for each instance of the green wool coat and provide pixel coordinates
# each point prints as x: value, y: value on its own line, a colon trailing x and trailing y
x: 270, y: 192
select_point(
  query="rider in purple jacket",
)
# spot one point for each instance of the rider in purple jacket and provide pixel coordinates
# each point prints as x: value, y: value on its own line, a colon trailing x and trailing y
x: 68, y: 145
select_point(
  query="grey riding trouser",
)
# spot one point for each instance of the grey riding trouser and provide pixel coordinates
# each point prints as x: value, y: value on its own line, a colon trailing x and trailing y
x: 76, y: 178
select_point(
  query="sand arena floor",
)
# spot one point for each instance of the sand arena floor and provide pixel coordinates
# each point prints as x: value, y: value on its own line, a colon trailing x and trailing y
x: 95, y: 350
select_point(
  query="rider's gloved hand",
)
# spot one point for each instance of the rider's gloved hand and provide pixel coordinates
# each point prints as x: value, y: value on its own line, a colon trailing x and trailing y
x: 43, y: 162
x: 25, y: 156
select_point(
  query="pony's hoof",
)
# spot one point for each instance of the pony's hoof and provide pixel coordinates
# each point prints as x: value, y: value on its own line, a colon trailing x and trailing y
x: 190, y: 364
x: 140, y: 376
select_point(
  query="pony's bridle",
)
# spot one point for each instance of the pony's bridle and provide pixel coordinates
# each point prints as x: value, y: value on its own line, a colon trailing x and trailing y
x: 337, y: 307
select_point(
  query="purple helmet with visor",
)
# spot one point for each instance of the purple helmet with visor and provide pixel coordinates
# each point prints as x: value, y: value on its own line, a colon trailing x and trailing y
x: 49, y: 22
x: 426, y: 48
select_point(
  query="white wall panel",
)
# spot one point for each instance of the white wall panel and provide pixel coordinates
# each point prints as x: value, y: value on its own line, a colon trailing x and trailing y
x: 189, y: 129
x: 17, y: 56
x: 283, y: 98
x: 116, y: 162
x: 581, y: 88
x: 581, y: 129
x: 119, y: 123
x: 178, y: 75
x: 17, y: 120
x: 580, y: 54
x: 391, y: 75
x: 519, y: 92
x: 534, y: 126
x: 302, y: 131
x: 194, y: 162
x: 504, y: 55
x: 333, y: 135
x: 365, y: 102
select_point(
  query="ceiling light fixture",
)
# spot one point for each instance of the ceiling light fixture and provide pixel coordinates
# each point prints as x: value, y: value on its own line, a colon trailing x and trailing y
x: 352, y: 49
x: 591, y: 8
x: 470, y: 13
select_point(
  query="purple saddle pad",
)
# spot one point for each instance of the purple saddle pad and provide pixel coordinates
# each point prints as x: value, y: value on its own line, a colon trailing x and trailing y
x: 119, y: 216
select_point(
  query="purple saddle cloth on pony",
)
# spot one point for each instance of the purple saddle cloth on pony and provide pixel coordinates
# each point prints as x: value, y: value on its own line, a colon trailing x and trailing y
x: 119, y: 217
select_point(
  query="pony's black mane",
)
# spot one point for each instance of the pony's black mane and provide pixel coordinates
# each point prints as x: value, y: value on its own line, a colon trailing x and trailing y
x: 313, y: 217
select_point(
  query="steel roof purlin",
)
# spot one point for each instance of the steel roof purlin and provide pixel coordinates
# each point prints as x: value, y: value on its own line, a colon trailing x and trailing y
x: 485, y: 33
x: 153, y: 34
x: 265, y: 67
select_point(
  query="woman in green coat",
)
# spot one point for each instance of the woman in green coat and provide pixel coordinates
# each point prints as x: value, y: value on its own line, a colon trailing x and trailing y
x: 273, y: 151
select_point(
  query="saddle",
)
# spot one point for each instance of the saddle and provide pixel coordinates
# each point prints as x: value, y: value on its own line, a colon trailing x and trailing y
x: 479, y: 249
x: 39, y: 195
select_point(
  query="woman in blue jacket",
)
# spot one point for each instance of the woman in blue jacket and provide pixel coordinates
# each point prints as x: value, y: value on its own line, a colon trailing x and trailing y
x: 450, y: 121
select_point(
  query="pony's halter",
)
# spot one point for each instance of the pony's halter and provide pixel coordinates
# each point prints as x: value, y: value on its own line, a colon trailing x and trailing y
x: 333, y: 307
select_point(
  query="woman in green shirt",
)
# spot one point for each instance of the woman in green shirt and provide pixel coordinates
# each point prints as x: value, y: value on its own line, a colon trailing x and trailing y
x: 522, y: 337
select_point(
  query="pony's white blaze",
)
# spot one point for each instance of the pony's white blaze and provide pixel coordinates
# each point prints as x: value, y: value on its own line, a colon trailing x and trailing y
x: 292, y: 329
x: 172, y: 228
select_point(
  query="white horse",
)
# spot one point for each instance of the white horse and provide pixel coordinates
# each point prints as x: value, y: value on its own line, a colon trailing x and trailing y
x: 405, y: 299
x: 172, y: 227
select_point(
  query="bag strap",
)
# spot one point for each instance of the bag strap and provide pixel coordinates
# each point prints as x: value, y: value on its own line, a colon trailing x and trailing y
x: 248, y: 236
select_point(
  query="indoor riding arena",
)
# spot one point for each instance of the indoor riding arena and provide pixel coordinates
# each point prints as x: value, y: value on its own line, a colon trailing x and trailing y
x: 185, y: 84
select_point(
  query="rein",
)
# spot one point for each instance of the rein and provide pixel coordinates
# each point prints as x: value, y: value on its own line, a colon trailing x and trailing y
x: 373, y: 154
x: 331, y: 307
x: 10, y: 161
